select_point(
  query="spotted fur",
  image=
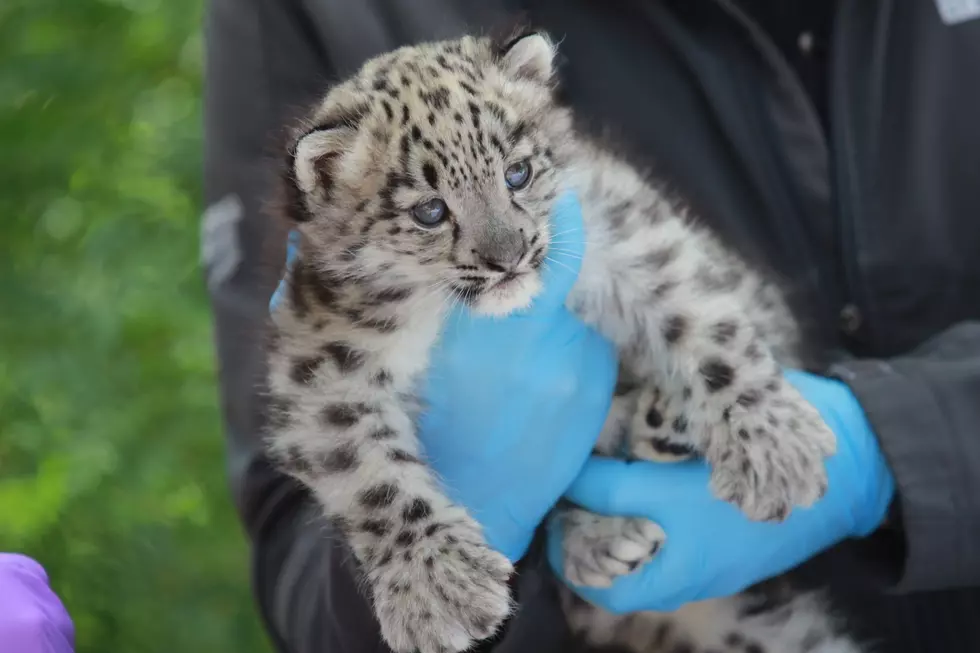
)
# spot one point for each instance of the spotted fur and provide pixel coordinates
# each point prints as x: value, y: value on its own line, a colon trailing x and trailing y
x: 407, y: 185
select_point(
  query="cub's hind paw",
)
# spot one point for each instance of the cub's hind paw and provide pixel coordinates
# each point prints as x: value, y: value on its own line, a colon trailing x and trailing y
x: 773, y: 457
x: 441, y: 592
x: 598, y: 549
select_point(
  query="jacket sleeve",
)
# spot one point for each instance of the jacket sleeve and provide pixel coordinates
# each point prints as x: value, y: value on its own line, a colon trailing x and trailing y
x: 925, y: 410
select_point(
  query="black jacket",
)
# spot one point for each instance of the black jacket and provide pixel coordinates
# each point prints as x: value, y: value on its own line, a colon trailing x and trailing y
x: 874, y: 213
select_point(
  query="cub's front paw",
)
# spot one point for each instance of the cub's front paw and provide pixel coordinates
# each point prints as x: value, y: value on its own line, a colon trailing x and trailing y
x: 772, y: 459
x: 440, y: 590
x: 598, y: 548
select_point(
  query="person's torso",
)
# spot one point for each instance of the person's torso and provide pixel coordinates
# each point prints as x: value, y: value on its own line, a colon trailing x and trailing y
x: 862, y: 189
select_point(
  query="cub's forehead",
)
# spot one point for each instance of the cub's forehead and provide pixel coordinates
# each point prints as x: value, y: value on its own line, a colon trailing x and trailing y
x: 416, y: 84
x: 428, y: 64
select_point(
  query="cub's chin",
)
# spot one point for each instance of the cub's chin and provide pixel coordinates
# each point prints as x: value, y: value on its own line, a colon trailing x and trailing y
x: 508, y: 296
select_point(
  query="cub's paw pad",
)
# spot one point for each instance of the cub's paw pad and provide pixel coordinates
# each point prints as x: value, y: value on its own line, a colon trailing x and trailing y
x: 598, y: 549
x: 659, y: 430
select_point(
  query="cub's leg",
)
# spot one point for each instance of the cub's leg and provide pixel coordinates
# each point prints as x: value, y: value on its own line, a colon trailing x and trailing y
x: 339, y: 426
x: 681, y: 309
x: 598, y: 548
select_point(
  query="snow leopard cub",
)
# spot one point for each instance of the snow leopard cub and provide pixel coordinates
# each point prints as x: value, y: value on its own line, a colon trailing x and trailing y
x: 430, y: 175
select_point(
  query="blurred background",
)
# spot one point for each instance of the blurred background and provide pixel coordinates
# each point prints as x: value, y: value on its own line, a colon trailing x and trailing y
x: 111, y: 451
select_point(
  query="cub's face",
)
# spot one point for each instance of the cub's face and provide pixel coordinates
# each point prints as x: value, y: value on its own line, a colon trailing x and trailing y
x: 435, y: 167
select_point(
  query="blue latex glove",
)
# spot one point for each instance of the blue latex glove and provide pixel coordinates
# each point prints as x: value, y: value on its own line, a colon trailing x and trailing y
x: 516, y: 404
x: 712, y: 550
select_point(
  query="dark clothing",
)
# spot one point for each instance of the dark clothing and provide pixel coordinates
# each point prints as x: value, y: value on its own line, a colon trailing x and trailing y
x: 872, y: 212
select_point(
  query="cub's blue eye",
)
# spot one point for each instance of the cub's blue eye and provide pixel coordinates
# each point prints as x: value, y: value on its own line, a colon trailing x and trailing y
x: 517, y: 175
x: 430, y: 213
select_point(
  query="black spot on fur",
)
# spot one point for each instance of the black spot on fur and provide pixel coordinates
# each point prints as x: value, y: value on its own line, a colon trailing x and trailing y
x: 497, y: 145
x: 341, y: 415
x: 724, y: 332
x: 405, y: 538
x: 385, y: 558
x: 496, y: 111
x: 686, y: 393
x: 749, y: 398
x: 469, y: 89
x: 717, y: 373
x: 381, y: 326
x: 388, y: 111
x: 346, y: 358
x: 382, y: 378
x: 294, y: 461
x: 437, y: 99
x: 341, y: 459
x: 379, y: 496
x: 383, y: 433
x: 323, y: 289
x: 376, y: 527
x: 432, y: 529
x: 475, y: 114
x: 518, y: 132
x: 400, y: 456
x: 389, y: 295
x: 431, y: 177
x: 743, y: 434
x: 416, y: 133
x: 679, y: 424
x: 417, y: 510
x: 654, y: 418
x: 674, y: 328
x: 304, y: 370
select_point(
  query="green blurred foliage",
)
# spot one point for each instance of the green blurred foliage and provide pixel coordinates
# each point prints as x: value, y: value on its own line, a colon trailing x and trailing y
x: 111, y: 452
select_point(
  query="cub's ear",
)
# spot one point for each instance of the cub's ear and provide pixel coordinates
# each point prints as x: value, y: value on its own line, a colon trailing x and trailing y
x: 530, y: 55
x: 313, y: 156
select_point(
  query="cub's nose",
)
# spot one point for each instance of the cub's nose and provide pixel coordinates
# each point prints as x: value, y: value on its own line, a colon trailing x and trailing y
x: 501, y: 251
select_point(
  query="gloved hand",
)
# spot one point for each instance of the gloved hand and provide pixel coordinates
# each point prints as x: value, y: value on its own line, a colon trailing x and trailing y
x: 516, y: 404
x: 32, y: 618
x: 712, y: 550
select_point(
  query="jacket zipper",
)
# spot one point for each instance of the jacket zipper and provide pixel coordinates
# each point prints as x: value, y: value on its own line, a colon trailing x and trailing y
x: 845, y: 195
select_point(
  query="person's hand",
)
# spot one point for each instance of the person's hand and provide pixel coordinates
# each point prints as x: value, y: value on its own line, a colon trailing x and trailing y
x: 516, y: 404
x: 712, y: 550
x: 32, y: 618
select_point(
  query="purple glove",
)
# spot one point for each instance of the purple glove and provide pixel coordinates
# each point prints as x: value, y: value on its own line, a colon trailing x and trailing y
x: 32, y: 617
